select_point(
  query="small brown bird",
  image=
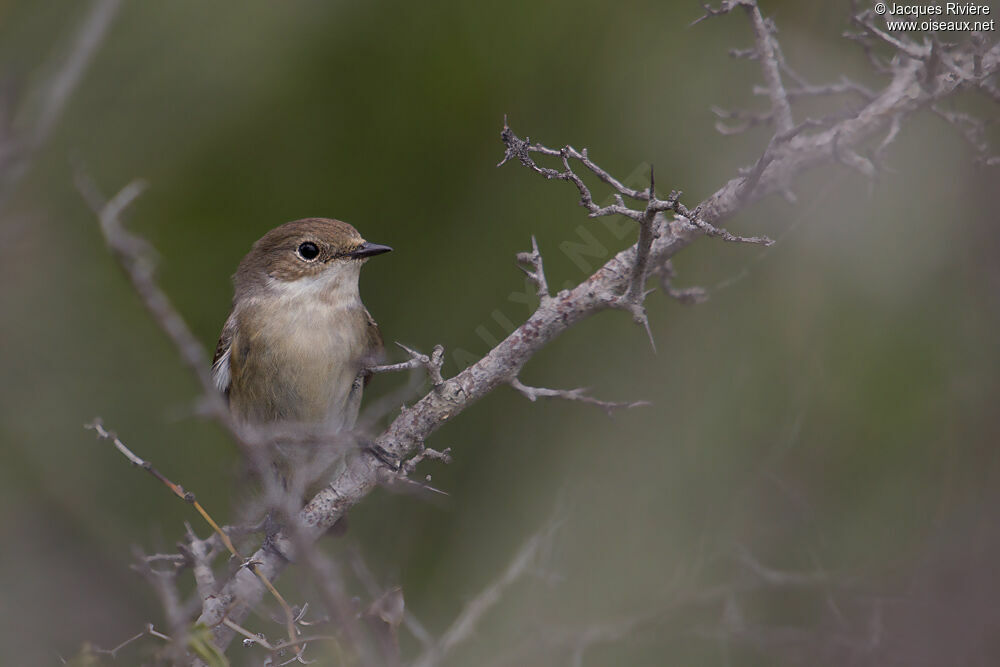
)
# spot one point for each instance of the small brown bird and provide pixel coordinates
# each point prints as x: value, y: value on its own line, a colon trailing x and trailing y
x: 293, y: 348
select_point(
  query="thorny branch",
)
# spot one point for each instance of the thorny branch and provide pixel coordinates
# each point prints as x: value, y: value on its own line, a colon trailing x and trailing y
x: 199, y: 552
x: 920, y: 76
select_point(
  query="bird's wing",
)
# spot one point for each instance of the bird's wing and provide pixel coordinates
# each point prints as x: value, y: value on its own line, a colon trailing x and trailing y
x: 220, y: 362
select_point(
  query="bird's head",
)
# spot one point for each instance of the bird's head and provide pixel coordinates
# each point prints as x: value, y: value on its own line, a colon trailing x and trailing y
x: 312, y: 254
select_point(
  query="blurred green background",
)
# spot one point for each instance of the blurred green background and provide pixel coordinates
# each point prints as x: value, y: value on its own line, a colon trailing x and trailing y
x: 832, y: 408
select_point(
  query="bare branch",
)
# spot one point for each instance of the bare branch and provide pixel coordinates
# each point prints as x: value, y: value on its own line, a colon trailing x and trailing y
x: 200, y: 554
x: 19, y: 151
x: 208, y: 600
x: 904, y: 46
x: 164, y: 582
x: 148, y: 631
x: 972, y: 129
x: 769, y: 63
x: 520, y: 148
x: 464, y: 625
x: 367, y: 579
x: 843, y: 87
x: 98, y: 427
x: 766, y: 53
x: 136, y: 257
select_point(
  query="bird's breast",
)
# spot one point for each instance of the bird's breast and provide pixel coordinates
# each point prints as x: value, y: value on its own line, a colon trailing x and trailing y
x: 296, y: 360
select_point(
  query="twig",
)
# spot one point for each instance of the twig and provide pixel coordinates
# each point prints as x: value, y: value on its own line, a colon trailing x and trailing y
x: 536, y: 274
x: 781, y: 111
x: 149, y: 631
x: 189, y: 497
x: 17, y: 156
x: 136, y: 257
x: 843, y: 87
x: 522, y: 149
x: 164, y: 582
x: 464, y: 625
x: 425, y: 453
x: 365, y: 576
x: 579, y: 394
x: 769, y: 63
x: 636, y: 294
x: 902, y: 45
x: 200, y: 554
x: 431, y: 364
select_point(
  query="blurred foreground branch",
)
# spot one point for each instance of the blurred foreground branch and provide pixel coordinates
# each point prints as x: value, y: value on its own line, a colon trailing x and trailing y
x: 18, y: 147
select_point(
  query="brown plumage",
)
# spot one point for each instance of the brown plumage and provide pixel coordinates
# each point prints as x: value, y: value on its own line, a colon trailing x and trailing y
x: 298, y: 337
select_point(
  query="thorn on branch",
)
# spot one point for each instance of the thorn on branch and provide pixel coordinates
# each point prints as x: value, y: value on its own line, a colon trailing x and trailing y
x: 537, y: 272
x: 636, y: 294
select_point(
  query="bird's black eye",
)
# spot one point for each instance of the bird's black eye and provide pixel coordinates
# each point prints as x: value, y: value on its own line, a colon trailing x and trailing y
x: 308, y: 251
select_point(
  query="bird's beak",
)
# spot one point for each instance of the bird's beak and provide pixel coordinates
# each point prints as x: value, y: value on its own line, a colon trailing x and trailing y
x: 369, y: 249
